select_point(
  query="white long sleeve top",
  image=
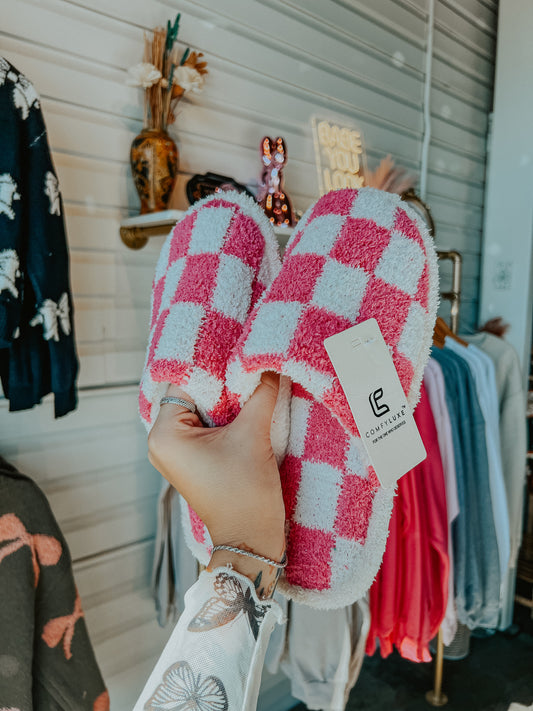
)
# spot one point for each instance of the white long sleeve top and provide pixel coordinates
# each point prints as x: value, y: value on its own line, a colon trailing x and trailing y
x: 214, y: 657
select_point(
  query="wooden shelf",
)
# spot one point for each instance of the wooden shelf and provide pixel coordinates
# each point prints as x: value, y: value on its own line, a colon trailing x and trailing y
x: 136, y: 231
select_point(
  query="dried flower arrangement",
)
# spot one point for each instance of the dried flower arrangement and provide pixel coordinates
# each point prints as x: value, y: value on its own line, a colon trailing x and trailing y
x: 390, y: 177
x: 166, y: 77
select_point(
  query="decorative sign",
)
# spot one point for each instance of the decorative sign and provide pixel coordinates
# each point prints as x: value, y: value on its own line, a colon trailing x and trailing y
x: 339, y: 154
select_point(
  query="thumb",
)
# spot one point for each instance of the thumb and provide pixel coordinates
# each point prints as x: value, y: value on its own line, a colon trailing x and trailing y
x: 257, y: 412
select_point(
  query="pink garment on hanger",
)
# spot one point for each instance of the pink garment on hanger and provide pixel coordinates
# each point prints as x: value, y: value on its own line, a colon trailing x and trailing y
x: 409, y: 596
x: 436, y: 392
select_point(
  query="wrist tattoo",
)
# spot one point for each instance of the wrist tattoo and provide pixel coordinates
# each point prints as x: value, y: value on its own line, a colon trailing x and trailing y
x: 262, y: 592
x: 257, y: 583
x: 272, y: 587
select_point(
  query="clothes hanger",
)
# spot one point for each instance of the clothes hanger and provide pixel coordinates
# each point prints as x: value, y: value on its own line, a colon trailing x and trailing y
x: 496, y: 326
x: 441, y: 331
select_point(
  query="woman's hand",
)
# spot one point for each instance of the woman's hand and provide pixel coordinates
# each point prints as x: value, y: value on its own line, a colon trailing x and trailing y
x: 229, y: 476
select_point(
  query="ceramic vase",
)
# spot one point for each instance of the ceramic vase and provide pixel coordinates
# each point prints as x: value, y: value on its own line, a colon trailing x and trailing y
x: 154, y: 161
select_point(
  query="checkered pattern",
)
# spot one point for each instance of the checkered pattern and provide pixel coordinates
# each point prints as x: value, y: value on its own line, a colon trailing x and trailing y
x: 358, y: 255
x: 213, y: 268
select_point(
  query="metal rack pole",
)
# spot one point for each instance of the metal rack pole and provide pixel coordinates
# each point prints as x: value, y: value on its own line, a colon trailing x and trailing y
x: 436, y: 697
x: 454, y: 296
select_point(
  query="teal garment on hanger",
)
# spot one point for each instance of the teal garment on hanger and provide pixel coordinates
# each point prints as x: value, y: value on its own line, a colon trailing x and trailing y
x: 476, y: 560
x: 482, y: 370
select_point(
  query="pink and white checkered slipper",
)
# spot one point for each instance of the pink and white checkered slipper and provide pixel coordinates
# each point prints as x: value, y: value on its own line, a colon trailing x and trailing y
x: 357, y: 254
x: 212, y: 269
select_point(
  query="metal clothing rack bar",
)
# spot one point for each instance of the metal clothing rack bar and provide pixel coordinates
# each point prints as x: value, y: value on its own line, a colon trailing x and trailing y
x: 436, y: 697
x: 454, y: 295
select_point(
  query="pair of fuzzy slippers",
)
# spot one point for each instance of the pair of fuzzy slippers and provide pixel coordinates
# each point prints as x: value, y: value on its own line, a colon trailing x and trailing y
x: 225, y: 309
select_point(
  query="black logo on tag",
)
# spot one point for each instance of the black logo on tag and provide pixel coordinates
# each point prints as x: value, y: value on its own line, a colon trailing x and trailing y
x: 378, y: 409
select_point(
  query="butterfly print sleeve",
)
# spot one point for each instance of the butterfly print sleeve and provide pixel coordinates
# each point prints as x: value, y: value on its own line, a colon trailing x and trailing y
x: 215, y: 654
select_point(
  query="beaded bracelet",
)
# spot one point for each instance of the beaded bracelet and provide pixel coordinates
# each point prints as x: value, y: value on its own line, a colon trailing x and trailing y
x: 273, y: 563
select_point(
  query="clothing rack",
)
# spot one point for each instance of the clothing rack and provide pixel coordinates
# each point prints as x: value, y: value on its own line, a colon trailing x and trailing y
x: 435, y: 696
x: 454, y: 295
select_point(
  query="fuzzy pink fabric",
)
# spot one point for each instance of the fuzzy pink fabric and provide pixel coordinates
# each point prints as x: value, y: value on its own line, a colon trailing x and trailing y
x: 223, y: 313
x: 355, y: 255
x: 213, y: 268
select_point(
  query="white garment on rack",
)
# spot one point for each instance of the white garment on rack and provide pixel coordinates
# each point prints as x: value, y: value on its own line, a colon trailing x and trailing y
x: 482, y: 369
x: 278, y: 641
x: 360, y: 630
x: 513, y: 437
x: 435, y: 388
x: 320, y: 651
x: 317, y: 661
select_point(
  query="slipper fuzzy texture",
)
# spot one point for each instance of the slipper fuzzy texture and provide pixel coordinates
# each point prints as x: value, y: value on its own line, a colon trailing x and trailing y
x: 356, y: 254
x: 212, y: 270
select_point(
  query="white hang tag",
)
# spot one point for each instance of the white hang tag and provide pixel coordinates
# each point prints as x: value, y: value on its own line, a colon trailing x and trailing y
x: 367, y: 375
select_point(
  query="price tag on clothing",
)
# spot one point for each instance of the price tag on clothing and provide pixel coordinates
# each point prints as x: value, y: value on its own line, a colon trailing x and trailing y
x: 366, y: 372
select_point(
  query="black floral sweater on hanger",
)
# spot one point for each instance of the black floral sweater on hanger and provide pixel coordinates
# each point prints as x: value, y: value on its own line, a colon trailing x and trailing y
x: 37, y: 349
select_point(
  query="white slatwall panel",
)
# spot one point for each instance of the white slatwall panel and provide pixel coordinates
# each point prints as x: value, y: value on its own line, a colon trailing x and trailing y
x: 273, y: 64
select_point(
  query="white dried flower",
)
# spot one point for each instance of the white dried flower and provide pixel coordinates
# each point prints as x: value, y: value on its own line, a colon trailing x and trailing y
x: 144, y: 75
x: 190, y: 79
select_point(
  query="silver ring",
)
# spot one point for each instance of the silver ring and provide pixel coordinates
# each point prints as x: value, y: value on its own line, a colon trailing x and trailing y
x: 169, y: 400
